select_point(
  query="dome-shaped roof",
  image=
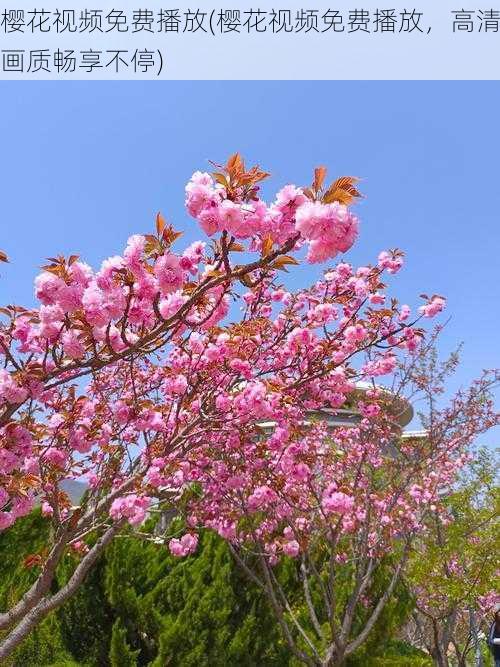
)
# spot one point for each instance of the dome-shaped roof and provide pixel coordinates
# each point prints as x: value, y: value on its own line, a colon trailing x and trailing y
x: 400, y: 408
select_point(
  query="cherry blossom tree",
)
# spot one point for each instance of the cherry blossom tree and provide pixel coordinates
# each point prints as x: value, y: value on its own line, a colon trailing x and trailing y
x: 453, y: 571
x: 346, y: 502
x: 134, y: 378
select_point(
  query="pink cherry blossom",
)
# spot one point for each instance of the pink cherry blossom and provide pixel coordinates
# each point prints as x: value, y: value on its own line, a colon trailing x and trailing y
x: 436, y: 305
x: 291, y: 548
x: 169, y: 273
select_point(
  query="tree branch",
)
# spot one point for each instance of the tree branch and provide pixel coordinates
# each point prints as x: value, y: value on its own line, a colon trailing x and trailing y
x: 46, y: 605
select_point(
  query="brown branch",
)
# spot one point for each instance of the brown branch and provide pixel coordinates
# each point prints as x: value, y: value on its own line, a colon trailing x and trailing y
x: 354, y: 645
x: 48, y: 604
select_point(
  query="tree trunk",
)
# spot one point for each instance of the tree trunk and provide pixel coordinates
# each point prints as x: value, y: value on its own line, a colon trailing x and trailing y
x: 439, y: 657
x: 475, y: 638
x: 439, y: 652
x: 37, y: 613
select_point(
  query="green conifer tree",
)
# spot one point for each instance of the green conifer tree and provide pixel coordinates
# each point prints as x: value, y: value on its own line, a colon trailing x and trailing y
x: 120, y: 653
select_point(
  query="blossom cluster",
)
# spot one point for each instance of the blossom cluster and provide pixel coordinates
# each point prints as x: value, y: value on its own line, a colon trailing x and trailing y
x: 326, y: 228
x: 131, y: 507
x: 186, y: 545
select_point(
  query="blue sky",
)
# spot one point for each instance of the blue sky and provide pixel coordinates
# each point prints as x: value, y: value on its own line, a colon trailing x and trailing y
x: 84, y: 165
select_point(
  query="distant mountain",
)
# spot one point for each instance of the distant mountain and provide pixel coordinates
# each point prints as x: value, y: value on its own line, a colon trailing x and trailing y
x: 74, y: 489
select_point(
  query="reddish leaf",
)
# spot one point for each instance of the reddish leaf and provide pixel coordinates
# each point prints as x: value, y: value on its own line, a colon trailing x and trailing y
x: 33, y: 560
x: 267, y: 246
x: 319, y: 177
x: 160, y: 223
